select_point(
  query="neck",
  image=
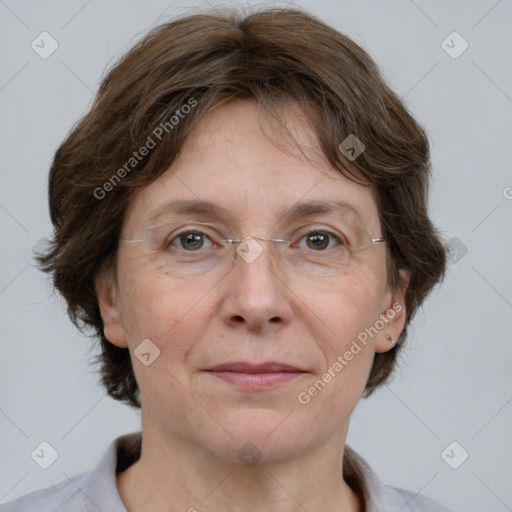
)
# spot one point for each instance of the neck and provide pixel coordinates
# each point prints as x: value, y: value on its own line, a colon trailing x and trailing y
x: 172, y: 472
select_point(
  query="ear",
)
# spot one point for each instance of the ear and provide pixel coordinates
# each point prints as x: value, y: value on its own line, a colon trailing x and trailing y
x: 108, y: 301
x: 393, y: 315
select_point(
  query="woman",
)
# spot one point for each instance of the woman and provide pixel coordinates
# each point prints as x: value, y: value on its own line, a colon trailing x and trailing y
x: 242, y: 218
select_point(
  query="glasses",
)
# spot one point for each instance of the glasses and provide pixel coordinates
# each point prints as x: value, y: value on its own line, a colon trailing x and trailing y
x: 200, y: 251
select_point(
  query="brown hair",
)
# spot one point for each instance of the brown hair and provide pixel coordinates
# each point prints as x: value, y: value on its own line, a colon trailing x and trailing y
x: 203, y: 61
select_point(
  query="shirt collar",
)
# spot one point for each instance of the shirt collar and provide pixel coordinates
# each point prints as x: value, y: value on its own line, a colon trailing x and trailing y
x: 100, y: 488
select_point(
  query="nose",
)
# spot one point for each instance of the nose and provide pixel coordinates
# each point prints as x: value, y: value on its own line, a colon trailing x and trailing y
x: 257, y: 296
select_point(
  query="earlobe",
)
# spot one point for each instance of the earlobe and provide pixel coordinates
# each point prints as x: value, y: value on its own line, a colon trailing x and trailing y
x: 393, y: 318
x: 107, y: 297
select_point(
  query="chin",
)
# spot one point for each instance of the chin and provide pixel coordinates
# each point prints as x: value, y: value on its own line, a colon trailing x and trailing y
x: 259, y: 436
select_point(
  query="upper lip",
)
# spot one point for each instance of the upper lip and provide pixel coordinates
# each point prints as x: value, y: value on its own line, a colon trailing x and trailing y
x: 242, y: 367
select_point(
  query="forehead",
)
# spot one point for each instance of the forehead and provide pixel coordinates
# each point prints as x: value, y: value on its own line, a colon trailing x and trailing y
x: 237, y: 165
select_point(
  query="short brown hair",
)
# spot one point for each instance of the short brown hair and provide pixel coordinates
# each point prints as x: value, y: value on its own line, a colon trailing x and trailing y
x: 273, y: 55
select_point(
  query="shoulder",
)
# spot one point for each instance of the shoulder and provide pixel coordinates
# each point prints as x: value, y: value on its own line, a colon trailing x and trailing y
x: 379, y: 497
x: 413, y: 502
x: 62, y: 497
x: 89, y: 491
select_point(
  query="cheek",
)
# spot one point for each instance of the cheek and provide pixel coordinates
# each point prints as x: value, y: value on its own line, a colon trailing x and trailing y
x: 345, y: 306
x: 344, y: 313
x: 158, y: 308
x: 348, y: 353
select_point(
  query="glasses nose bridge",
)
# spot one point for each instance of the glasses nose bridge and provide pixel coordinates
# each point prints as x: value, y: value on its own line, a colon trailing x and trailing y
x: 249, y: 249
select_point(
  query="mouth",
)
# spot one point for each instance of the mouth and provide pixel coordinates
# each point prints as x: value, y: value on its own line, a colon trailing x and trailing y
x: 250, y: 376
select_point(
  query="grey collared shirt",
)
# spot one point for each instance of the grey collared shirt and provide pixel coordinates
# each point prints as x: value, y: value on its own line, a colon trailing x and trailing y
x: 96, y: 490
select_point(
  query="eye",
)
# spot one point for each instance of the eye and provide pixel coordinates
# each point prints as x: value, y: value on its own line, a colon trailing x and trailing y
x: 320, y: 240
x: 188, y: 240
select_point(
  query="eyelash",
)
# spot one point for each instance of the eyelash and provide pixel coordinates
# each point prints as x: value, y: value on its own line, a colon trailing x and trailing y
x: 172, y: 238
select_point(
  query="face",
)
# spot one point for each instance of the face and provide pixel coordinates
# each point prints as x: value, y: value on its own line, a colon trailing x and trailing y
x: 235, y: 349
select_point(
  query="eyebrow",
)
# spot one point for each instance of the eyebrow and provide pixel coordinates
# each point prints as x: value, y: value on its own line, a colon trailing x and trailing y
x: 208, y: 209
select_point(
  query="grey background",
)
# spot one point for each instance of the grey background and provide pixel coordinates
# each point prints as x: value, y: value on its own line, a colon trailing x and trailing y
x: 455, y: 380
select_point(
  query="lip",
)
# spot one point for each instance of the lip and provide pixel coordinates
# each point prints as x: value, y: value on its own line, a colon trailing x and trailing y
x: 255, y: 376
x: 243, y: 367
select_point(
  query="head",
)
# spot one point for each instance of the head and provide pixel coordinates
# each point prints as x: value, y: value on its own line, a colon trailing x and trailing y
x: 248, y: 113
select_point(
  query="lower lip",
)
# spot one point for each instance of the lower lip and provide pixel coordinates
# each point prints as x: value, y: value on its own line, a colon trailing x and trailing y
x: 255, y: 380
